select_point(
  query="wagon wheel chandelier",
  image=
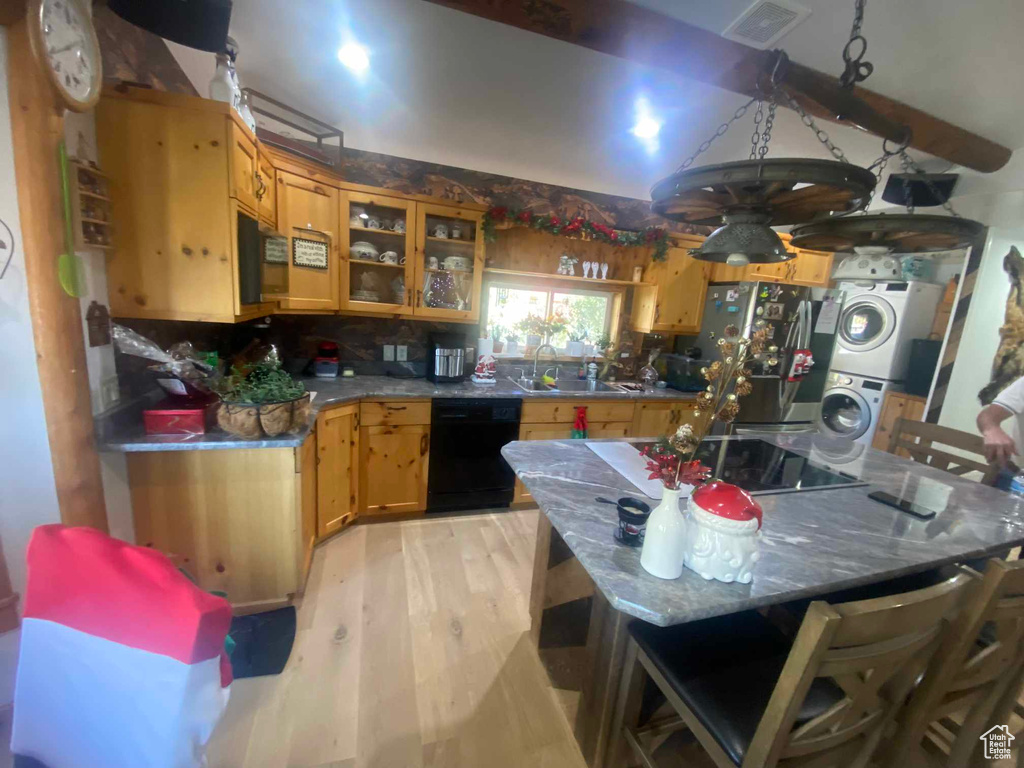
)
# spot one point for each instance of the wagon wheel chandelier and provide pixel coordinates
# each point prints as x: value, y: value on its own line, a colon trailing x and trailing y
x: 883, y: 233
x: 743, y: 198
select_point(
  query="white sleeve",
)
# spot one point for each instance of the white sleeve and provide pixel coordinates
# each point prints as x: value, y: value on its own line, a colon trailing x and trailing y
x: 1012, y: 398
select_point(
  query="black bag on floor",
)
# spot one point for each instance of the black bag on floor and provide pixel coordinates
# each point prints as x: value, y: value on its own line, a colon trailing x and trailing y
x: 263, y: 642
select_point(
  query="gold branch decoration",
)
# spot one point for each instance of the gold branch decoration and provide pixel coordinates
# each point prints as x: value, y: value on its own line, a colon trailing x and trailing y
x: 728, y: 380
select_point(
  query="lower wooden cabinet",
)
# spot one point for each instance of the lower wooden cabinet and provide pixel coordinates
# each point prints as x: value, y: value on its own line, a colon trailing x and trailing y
x: 393, y: 464
x: 657, y: 418
x: 240, y: 521
x: 337, y: 438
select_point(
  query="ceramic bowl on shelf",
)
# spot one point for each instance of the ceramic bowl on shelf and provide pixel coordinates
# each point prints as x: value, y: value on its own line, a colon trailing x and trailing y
x: 457, y: 263
x: 363, y: 251
x: 366, y: 296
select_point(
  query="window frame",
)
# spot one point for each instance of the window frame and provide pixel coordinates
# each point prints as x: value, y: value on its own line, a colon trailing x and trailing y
x: 614, y: 293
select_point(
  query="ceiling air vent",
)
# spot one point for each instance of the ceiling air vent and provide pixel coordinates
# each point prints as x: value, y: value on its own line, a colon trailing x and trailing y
x: 765, y: 22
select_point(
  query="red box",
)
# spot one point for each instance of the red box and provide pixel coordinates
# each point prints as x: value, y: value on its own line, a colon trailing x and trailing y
x: 172, y: 419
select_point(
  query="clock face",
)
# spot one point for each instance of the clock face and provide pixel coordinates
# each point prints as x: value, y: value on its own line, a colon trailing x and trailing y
x: 69, y: 49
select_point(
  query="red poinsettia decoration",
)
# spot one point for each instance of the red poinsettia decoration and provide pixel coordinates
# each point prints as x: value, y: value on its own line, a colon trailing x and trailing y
x: 667, y: 466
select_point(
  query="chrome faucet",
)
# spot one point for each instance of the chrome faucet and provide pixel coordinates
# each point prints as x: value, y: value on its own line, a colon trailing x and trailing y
x: 536, y: 356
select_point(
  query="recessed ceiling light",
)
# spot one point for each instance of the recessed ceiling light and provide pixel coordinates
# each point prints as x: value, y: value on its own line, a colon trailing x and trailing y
x: 646, y: 127
x: 354, y: 56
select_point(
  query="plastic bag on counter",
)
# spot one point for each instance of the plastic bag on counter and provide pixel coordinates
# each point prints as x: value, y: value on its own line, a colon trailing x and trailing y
x: 180, y: 370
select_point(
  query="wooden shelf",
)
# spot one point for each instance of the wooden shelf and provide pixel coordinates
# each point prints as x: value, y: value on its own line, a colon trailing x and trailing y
x: 86, y: 193
x: 566, y: 278
x: 363, y: 263
x: 368, y: 231
x: 450, y: 241
x: 94, y: 221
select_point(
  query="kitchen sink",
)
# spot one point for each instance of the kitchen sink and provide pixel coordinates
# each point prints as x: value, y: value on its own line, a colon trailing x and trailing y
x: 562, y: 385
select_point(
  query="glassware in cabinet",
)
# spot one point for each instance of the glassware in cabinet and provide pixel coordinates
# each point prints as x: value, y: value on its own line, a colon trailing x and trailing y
x: 378, y: 250
x: 449, y: 260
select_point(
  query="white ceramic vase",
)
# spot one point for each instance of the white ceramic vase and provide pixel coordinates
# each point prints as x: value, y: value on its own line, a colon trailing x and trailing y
x: 665, y: 539
x: 575, y: 349
x: 512, y: 347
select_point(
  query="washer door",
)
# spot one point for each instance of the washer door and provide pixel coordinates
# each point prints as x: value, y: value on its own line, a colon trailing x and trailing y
x: 845, y: 413
x: 866, y: 323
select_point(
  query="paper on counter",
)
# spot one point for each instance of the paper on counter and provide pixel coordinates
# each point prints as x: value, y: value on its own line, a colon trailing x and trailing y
x: 625, y: 459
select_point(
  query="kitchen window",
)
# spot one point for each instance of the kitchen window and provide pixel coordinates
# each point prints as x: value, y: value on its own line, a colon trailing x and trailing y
x: 587, y: 313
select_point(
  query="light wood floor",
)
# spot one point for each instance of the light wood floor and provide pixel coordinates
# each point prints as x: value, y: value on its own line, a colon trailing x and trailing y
x: 411, y: 651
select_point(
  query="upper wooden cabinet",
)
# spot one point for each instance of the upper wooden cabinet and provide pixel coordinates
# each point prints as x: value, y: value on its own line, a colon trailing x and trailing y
x: 266, y: 191
x: 807, y: 268
x: 681, y: 282
x: 384, y: 284
x: 186, y: 245
x: 449, y: 262
x: 307, y: 214
x: 244, y: 165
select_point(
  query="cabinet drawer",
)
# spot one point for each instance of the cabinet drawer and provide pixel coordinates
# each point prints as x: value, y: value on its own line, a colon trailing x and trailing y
x: 394, y: 412
x: 562, y: 411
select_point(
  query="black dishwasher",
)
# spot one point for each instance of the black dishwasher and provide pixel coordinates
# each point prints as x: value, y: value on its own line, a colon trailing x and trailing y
x: 466, y: 467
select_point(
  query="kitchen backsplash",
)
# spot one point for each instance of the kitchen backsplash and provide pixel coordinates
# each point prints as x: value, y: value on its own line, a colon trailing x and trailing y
x: 296, y: 337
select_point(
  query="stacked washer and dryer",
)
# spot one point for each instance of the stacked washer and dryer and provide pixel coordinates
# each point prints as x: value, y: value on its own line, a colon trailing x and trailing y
x: 875, y: 329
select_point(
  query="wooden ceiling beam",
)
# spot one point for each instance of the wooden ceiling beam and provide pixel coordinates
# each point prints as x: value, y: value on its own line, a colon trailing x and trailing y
x: 627, y: 31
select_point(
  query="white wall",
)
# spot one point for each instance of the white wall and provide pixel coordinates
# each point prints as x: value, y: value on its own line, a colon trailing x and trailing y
x: 28, y: 496
x: 1004, y: 213
x: 80, y: 139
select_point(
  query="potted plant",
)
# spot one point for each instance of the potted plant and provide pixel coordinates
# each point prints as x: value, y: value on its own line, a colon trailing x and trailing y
x: 575, y: 346
x: 497, y: 334
x: 264, y: 400
x: 512, y: 343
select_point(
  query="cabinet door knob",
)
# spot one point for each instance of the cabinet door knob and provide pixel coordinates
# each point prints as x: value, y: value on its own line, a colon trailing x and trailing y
x: 424, y: 444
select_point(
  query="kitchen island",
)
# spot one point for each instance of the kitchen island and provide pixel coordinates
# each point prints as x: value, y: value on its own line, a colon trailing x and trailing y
x: 587, y: 588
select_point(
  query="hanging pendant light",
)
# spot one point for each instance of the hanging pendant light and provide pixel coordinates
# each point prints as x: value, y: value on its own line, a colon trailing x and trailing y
x: 744, y: 198
x: 745, y: 238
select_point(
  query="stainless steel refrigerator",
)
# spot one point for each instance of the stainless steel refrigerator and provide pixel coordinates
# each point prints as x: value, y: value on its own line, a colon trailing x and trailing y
x: 787, y: 395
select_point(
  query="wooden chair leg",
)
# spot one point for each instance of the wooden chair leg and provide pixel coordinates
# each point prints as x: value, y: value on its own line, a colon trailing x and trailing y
x: 621, y: 753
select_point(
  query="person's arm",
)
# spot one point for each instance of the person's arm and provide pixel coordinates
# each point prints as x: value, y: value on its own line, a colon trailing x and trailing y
x: 999, y: 446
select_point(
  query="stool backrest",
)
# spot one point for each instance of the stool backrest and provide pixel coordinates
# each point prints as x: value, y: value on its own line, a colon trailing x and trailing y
x: 979, y: 658
x: 920, y: 440
x: 874, y: 650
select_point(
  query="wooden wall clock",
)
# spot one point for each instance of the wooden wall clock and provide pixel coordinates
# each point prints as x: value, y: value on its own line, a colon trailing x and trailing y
x: 65, y: 45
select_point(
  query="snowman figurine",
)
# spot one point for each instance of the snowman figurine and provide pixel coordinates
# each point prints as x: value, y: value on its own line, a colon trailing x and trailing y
x: 723, y: 533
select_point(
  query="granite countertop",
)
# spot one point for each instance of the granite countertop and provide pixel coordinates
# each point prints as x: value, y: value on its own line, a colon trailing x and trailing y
x: 122, y: 430
x: 814, y: 542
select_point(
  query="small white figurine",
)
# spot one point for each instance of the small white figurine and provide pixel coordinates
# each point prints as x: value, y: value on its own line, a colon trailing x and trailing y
x: 566, y: 264
x: 604, y: 271
x: 723, y: 533
x: 586, y: 269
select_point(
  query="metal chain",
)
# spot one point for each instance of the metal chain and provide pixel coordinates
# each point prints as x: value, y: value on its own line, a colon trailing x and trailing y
x: 755, y: 137
x: 908, y: 164
x: 823, y: 137
x: 766, y: 134
x: 856, y: 69
x: 719, y: 132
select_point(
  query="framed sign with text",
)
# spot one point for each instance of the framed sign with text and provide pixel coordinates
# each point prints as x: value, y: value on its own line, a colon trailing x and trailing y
x: 309, y: 253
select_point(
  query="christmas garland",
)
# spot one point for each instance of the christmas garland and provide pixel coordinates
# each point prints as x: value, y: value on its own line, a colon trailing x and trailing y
x: 578, y: 226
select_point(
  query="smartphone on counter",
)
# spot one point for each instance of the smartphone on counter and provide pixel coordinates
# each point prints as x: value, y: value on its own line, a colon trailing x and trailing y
x: 903, y: 505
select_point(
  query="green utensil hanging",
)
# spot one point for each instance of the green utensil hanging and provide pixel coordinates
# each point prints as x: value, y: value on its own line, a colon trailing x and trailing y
x: 69, y: 265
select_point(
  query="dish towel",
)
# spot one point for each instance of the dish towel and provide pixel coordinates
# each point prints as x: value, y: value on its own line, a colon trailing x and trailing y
x: 122, y: 660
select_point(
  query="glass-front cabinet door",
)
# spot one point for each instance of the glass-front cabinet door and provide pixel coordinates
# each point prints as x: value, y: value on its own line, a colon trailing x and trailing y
x: 449, y: 261
x: 378, y: 253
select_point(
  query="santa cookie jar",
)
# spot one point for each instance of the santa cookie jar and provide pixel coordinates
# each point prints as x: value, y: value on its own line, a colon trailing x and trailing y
x: 723, y: 533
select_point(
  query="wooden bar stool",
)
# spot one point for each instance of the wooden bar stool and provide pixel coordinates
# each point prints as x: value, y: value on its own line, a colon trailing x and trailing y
x: 974, y: 679
x: 752, y: 698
